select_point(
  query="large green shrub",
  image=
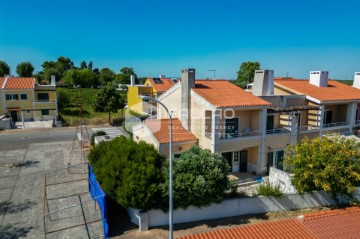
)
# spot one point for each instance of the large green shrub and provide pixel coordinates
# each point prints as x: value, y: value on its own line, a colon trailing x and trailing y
x: 200, y: 178
x: 129, y: 172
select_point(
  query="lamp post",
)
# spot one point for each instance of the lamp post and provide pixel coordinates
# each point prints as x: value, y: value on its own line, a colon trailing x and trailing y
x: 147, y: 98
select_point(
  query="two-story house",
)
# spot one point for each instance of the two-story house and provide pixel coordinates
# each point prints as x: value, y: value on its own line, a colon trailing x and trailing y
x: 25, y: 100
x: 153, y: 87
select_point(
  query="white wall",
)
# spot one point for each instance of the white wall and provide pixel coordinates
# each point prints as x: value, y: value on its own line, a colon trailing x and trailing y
x: 282, y: 179
x: 234, y: 207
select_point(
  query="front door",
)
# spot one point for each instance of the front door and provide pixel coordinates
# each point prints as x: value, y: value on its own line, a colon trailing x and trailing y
x: 243, y: 161
x: 14, y: 116
x: 228, y: 157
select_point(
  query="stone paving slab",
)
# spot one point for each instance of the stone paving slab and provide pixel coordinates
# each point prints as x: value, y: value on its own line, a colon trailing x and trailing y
x: 22, y: 194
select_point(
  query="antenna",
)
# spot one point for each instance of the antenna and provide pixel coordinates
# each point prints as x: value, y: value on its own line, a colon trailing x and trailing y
x: 214, y: 73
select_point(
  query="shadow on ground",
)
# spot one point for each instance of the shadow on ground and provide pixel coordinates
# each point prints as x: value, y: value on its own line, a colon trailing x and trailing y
x: 10, y: 232
x: 12, y: 208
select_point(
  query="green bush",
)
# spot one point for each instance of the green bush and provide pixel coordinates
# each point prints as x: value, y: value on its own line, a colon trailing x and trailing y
x: 129, y: 172
x: 267, y: 190
x: 200, y: 178
x: 97, y: 133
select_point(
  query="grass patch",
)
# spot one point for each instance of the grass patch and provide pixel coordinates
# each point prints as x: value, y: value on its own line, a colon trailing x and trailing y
x: 266, y: 189
x: 70, y: 113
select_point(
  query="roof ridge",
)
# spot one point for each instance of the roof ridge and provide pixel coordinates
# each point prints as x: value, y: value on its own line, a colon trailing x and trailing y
x: 330, y: 213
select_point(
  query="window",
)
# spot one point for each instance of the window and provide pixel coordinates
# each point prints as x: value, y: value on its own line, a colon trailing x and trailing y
x: 43, y: 96
x: 232, y: 128
x: 12, y: 96
x: 23, y: 96
x: 44, y: 112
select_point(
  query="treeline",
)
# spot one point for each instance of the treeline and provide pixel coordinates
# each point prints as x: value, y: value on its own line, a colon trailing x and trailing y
x: 85, y: 75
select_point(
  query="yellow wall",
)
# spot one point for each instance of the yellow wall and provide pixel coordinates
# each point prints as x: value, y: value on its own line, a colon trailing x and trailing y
x: 277, y: 141
x: 135, y: 103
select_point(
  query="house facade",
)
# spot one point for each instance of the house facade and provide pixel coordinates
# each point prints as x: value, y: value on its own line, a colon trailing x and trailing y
x: 24, y: 100
x: 153, y: 87
x: 252, y: 129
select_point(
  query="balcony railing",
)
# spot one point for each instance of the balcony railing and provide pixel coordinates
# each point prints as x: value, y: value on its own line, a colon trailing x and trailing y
x: 44, y: 101
x: 357, y: 121
x: 336, y: 124
x: 309, y: 127
x: 277, y: 131
x: 239, y: 135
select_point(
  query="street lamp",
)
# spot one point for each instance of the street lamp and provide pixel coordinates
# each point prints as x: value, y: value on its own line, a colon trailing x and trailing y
x: 147, y: 99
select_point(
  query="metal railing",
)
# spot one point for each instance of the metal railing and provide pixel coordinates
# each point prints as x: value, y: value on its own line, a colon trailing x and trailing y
x: 239, y: 135
x: 44, y: 101
x: 357, y: 121
x: 277, y: 131
x: 336, y: 124
x: 309, y: 127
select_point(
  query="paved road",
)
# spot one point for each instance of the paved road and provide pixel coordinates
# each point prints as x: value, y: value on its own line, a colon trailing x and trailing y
x: 21, y: 139
x: 27, y: 191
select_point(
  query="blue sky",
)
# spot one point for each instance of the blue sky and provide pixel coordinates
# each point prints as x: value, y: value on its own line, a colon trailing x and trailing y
x: 162, y: 37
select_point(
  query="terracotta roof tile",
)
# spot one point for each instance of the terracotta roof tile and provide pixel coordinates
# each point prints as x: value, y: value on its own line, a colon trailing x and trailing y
x: 160, y: 128
x: 335, y: 91
x: 222, y: 93
x: 20, y: 83
x: 340, y: 224
x: 332, y: 224
x: 2, y: 79
x: 163, y: 85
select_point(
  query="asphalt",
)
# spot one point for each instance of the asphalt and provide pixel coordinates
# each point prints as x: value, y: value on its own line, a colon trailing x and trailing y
x: 30, y: 188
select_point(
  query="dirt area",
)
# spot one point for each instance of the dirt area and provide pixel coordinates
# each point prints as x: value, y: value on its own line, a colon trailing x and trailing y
x: 130, y: 231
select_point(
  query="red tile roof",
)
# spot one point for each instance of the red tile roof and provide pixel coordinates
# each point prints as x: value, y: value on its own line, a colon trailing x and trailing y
x: 335, y: 91
x: 163, y: 85
x: 160, y: 128
x: 222, y: 93
x: 335, y: 224
x: 20, y: 83
x: 2, y: 79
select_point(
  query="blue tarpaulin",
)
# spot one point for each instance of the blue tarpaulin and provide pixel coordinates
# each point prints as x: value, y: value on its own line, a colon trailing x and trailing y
x: 100, y: 196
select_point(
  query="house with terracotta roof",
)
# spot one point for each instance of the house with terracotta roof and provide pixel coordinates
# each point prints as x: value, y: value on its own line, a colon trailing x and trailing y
x: 25, y: 100
x: 338, y: 105
x: 157, y: 133
x: 153, y: 87
x: 223, y: 117
x: 331, y: 224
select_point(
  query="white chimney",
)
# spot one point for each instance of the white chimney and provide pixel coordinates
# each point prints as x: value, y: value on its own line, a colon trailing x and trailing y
x: 161, y: 76
x: 319, y: 78
x: 356, y: 83
x: 132, y: 80
x: 263, y: 83
x: 53, y: 82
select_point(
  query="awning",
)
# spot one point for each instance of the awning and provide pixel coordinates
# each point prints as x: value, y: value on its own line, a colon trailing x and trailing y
x: 292, y: 108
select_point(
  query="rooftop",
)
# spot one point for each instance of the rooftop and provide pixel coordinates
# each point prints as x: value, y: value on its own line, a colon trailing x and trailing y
x: 160, y: 129
x: 161, y: 84
x: 222, y: 93
x: 335, y: 91
x: 18, y: 83
x: 337, y: 224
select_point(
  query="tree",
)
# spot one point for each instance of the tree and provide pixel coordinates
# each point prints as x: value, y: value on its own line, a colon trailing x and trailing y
x: 24, y: 69
x: 83, y: 65
x: 124, y: 76
x: 329, y: 164
x: 129, y: 172
x: 106, y: 75
x: 4, y: 68
x: 90, y: 65
x: 62, y: 98
x: 108, y: 100
x: 200, y: 178
x: 246, y: 73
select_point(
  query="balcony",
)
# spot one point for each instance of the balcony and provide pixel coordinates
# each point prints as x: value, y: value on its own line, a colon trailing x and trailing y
x: 309, y: 127
x: 277, y: 131
x: 44, y: 104
x: 357, y: 122
x: 335, y: 124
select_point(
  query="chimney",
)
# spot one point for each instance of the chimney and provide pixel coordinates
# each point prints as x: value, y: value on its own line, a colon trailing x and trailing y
x: 161, y: 76
x: 187, y: 82
x: 319, y: 78
x: 132, y: 80
x: 53, y: 82
x: 356, y: 83
x: 263, y: 83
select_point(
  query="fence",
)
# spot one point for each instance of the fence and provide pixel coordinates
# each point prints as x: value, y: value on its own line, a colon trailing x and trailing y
x: 100, y: 196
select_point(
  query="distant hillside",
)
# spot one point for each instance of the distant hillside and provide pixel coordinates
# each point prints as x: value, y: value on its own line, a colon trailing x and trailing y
x: 347, y: 82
